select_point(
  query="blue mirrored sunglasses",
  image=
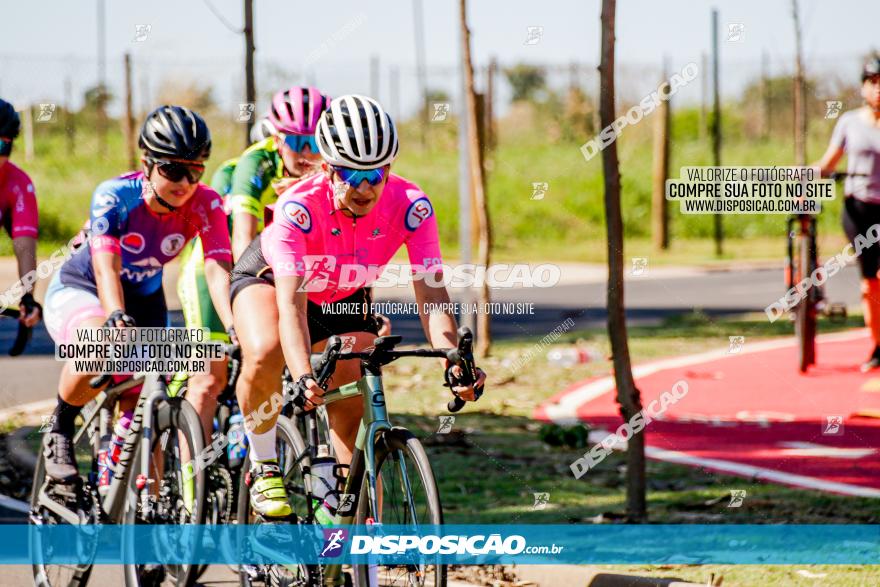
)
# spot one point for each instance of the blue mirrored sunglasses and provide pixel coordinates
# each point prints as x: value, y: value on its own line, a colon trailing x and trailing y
x: 299, y: 142
x: 354, y: 177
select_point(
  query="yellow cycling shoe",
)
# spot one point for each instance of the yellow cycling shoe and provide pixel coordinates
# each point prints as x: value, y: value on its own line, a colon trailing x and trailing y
x: 268, y: 495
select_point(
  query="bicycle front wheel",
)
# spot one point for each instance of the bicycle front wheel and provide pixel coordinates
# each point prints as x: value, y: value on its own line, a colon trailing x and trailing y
x: 407, y: 496
x: 175, y: 499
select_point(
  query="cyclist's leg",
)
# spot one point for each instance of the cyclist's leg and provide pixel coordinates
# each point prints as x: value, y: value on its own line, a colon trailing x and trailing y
x: 198, y: 312
x: 857, y: 219
x: 255, y: 315
x: 67, y: 309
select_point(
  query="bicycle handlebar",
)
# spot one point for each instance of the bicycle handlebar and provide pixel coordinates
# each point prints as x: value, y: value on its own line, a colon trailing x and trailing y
x: 22, y: 337
x: 324, y: 364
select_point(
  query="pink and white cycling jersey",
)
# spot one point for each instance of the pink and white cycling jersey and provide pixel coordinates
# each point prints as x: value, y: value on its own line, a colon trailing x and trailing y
x: 18, y: 202
x: 312, y: 237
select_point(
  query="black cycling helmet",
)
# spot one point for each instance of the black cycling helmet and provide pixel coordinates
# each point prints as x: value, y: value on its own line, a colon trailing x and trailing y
x: 176, y: 132
x: 871, y: 68
x: 10, y: 123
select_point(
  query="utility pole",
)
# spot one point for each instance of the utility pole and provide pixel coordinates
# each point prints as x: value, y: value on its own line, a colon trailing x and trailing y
x: 716, y: 126
x: 374, y: 77
x: 129, y: 115
x: 660, y: 172
x: 102, y: 78
x: 250, y: 84
x: 424, y: 111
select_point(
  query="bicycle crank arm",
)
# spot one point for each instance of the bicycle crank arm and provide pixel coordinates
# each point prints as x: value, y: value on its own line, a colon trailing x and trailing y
x: 59, y: 510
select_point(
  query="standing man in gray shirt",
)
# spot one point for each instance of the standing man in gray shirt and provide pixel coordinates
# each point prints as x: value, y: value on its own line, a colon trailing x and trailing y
x: 858, y: 135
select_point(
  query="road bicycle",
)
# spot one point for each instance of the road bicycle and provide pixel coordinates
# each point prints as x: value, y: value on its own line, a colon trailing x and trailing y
x: 389, y: 480
x: 148, y: 484
x: 22, y: 335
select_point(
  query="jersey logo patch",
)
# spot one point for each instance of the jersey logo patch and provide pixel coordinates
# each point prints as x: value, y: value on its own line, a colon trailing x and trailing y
x: 172, y: 244
x: 418, y: 212
x: 104, y: 203
x: 133, y: 242
x: 298, y: 215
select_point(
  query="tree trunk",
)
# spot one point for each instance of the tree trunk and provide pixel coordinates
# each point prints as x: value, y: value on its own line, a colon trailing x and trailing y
x: 800, y: 93
x: 628, y: 395
x: 478, y: 181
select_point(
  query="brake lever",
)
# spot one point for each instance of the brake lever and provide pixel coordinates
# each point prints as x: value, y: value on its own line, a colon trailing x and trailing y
x: 462, y: 356
x: 326, y: 366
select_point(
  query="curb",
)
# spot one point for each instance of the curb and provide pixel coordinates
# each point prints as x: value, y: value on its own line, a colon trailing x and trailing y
x: 554, y: 575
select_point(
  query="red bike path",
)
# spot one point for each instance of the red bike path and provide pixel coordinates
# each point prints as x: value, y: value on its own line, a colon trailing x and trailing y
x: 750, y: 413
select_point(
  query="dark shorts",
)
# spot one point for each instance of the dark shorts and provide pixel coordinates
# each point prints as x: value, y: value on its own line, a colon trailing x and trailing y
x: 252, y: 269
x: 857, y: 218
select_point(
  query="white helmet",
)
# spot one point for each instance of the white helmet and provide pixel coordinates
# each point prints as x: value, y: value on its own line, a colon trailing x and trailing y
x: 262, y: 130
x: 356, y: 132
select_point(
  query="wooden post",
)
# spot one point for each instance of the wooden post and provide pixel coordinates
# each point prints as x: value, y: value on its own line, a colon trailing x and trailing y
x: 394, y: 91
x: 69, y: 120
x: 628, y: 395
x: 478, y: 180
x: 716, y: 127
x: 130, y: 139
x: 481, y: 136
x: 491, y: 73
x: 765, y: 97
x: 659, y: 209
x: 704, y: 93
x: 374, y: 77
x: 27, y: 121
x: 800, y: 93
x: 250, y: 83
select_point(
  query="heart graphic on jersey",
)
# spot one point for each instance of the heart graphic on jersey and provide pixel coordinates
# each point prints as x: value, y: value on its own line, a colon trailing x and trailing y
x: 133, y: 242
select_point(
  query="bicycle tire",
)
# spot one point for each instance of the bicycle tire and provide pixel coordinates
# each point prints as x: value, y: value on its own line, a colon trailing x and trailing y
x: 395, y: 443
x: 81, y: 573
x: 172, y: 414
x: 290, y: 444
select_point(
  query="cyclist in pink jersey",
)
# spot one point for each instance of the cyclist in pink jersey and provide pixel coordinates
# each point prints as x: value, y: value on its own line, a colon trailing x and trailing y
x: 332, y: 234
x: 19, y: 217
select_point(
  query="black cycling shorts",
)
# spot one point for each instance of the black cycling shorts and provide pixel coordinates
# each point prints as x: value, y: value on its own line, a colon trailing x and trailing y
x: 252, y: 269
x: 858, y: 217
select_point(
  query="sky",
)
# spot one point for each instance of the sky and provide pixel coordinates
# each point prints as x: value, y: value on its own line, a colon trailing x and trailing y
x: 47, y: 42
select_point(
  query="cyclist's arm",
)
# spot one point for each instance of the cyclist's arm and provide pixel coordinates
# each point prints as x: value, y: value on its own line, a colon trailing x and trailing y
x: 244, y: 230
x: 828, y: 162
x: 26, y: 255
x: 218, y: 259
x: 107, y: 265
x: 217, y: 276
x: 246, y: 207
x: 293, y: 327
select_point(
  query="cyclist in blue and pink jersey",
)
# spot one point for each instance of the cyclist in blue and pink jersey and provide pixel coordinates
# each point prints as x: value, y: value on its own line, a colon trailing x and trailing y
x: 139, y: 222
x: 331, y: 236
x: 18, y: 215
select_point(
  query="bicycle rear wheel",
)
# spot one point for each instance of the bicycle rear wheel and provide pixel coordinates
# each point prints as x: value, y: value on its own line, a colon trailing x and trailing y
x: 409, y: 497
x: 177, y: 501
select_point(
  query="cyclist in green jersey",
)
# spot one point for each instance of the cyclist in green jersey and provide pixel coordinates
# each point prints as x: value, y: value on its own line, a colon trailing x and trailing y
x: 248, y: 184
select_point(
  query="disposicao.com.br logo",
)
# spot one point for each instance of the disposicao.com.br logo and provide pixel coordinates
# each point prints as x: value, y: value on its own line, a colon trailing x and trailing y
x: 448, y: 544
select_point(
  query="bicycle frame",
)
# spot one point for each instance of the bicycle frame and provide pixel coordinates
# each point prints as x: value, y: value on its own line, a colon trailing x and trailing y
x: 141, y: 430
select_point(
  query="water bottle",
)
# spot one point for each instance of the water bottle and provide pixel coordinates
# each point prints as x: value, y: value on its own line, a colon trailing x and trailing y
x: 568, y: 357
x: 237, y: 446
x: 323, y: 483
x: 108, y: 454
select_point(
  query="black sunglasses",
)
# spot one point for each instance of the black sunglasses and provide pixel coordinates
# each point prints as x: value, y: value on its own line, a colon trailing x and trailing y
x: 177, y: 170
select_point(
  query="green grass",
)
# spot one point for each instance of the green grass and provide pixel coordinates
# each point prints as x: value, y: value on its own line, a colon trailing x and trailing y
x: 567, y: 225
x: 490, y: 467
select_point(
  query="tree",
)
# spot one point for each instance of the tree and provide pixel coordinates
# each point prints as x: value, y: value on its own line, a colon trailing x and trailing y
x: 525, y: 80
x: 478, y: 183
x: 628, y: 396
